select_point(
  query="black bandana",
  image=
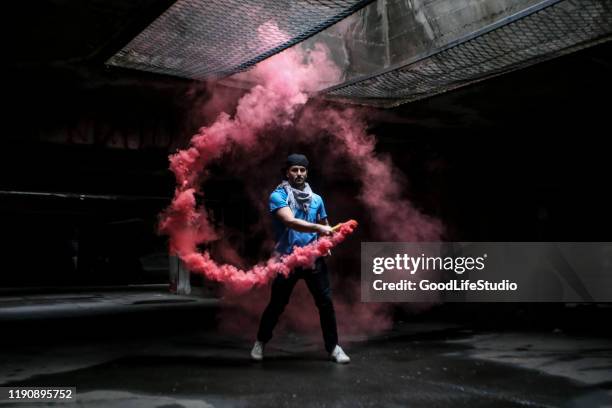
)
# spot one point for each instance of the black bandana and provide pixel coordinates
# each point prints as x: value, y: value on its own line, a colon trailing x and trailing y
x: 296, y: 160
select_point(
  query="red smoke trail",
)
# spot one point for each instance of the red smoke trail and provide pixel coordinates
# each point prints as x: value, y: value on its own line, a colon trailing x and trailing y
x: 263, y: 107
x: 278, y: 103
x: 239, y: 280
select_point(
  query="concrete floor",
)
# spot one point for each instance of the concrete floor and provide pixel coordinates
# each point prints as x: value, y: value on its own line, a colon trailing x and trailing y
x: 174, y: 357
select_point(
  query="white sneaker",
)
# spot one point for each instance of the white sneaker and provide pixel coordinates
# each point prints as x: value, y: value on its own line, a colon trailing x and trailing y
x: 257, y: 351
x: 339, y: 356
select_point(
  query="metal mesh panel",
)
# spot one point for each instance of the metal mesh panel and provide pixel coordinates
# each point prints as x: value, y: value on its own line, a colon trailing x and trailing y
x: 543, y: 32
x: 199, y: 39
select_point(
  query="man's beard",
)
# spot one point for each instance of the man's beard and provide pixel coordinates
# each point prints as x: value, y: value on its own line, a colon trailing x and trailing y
x: 299, y: 183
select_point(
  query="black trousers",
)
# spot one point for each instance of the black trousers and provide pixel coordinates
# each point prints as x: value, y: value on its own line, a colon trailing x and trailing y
x: 317, y: 280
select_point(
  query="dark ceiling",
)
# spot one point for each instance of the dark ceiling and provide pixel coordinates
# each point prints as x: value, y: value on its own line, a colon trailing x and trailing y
x: 63, y: 32
x: 61, y: 46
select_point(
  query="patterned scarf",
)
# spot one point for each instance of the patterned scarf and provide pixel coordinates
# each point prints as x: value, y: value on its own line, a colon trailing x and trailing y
x: 297, y: 198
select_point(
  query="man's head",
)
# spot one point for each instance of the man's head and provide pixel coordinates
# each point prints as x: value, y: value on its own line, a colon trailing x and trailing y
x: 296, y: 170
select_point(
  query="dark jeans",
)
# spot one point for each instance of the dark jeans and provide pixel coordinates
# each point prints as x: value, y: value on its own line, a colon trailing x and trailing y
x: 317, y: 280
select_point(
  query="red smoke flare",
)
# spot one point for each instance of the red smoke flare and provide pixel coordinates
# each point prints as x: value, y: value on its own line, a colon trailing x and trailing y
x: 239, y: 280
x: 278, y: 102
x: 264, y: 106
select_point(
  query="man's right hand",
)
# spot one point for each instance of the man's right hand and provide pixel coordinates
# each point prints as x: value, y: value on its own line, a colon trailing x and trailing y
x: 324, y: 229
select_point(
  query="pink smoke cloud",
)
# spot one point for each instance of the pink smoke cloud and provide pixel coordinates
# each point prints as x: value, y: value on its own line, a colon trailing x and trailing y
x: 393, y: 217
x: 261, y: 120
x: 270, y: 105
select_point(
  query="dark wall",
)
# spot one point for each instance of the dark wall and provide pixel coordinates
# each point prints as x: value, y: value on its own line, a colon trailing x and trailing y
x: 84, y: 164
x: 520, y: 157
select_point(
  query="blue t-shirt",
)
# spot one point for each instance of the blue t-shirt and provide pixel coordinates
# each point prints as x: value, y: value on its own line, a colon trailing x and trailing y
x: 286, y: 238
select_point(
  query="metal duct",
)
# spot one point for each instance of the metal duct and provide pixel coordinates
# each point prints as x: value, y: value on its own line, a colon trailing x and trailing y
x: 537, y: 33
x: 201, y: 39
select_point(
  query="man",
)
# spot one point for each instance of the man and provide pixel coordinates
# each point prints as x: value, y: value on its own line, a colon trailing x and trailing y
x: 299, y: 217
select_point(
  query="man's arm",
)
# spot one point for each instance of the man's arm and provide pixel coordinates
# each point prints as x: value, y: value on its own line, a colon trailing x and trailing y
x: 286, y: 216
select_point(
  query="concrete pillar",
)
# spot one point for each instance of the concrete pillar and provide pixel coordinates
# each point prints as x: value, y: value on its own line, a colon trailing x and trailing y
x: 179, y: 277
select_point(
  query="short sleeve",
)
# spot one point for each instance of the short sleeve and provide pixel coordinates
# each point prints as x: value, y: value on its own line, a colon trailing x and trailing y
x: 322, y: 214
x: 277, y: 200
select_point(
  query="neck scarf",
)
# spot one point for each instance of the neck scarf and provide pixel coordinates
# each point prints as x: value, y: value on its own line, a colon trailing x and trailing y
x: 297, y: 199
